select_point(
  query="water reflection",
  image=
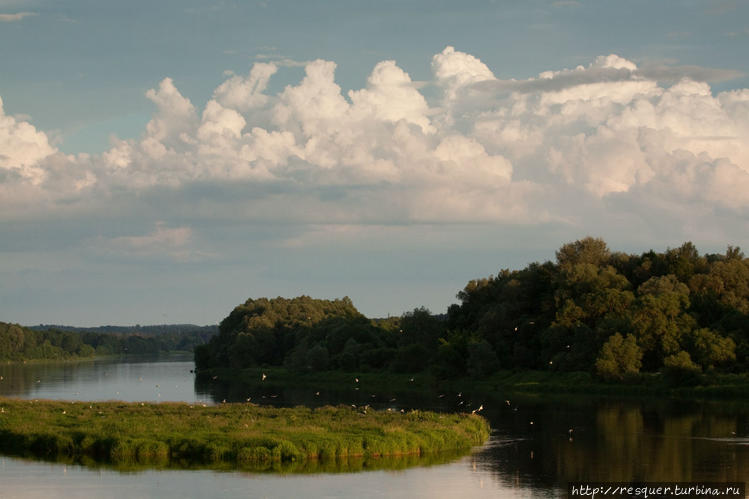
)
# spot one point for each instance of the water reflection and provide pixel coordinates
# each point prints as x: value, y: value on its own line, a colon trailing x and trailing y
x: 307, y: 466
x: 130, y: 378
x: 532, y: 451
x: 543, y: 442
x: 549, y: 443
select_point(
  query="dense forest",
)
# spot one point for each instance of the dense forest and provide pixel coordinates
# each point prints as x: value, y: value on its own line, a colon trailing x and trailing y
x: 64, y: 342
x: 613, y: 314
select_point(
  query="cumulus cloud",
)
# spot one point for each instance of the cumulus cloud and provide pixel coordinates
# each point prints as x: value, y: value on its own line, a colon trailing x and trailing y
x: 22, y: 147
x: 550, y: 149
x: 245, y: 93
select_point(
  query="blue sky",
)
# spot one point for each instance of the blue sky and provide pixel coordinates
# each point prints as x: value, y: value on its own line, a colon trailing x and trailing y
x: 164, y: 161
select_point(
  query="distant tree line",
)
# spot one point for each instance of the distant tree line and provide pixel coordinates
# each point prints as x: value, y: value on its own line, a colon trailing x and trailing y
x: 63, y: 342
x: 676, y: 312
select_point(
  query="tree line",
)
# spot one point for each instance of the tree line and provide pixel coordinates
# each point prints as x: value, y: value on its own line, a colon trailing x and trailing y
x: 62, y: 342
x: 611, y: 313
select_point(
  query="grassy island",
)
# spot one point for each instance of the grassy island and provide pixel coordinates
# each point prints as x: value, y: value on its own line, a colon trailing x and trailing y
x: 243, y: 436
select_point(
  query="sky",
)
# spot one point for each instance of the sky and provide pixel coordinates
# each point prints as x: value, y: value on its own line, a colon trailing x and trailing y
x: 163, y: 161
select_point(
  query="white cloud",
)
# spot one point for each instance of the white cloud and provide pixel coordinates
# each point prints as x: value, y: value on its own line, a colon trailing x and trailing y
x: 175, y: 115
x: 162, y: 243
x: 454, y: 69
x: 242, y: 93
x: 22, y: 147
x: 608, y: 135
x: 391, y: 96
x: 18, y: 16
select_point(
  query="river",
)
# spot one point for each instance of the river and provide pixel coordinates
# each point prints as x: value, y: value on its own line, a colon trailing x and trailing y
x: 538, y: 444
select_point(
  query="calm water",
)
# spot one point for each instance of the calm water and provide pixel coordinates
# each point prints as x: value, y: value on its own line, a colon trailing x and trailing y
x: 532, y: 452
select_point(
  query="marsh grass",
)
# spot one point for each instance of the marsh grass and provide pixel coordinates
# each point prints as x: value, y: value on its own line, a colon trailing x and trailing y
x: 231, y: 436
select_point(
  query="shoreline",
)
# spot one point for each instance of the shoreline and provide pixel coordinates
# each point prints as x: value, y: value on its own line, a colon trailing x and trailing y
x: 716, y: 386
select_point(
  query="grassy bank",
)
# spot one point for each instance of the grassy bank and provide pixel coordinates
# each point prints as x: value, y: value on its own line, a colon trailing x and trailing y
x: 714, y: 386
x: 229, y: 435
x: 717, y: 386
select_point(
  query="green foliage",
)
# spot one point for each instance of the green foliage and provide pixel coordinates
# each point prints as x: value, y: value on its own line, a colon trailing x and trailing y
x: 482, y: 360
x: 560, y: 316
x: 21, y: 343
x: 680, y: 369
x: 620, y: 358
x: 233, y: 435
x: 711, y: 349
x: 593, y: 310
x: 589, y: 250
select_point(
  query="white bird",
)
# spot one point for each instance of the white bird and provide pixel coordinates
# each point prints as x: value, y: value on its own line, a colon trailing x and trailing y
x: 356, y: 379
x: 263, y: 378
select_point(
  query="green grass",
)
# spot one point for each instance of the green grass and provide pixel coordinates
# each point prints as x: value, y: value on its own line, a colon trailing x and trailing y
x: 243, y: 436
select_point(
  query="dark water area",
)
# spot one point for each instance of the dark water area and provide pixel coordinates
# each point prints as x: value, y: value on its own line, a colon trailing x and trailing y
x: 539, y: 443
x: 545, y: 441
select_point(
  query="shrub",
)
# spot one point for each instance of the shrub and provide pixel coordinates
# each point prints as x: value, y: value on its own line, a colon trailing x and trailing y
x: 619, y: 358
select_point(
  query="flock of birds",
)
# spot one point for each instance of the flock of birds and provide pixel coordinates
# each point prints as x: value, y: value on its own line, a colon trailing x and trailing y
x: 460, y: 401
x: 363, y: 408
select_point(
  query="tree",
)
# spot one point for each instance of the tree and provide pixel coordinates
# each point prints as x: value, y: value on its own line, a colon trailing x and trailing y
x: 709, y: 348
x: 317, y: 358
x: 588, y: 250
x: 620, y: 358
x: 481, y: 358
x: 680, y: 370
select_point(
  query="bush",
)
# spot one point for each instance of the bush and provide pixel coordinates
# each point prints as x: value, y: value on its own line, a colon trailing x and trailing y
x: 680, y: 370
x: 620, y: 358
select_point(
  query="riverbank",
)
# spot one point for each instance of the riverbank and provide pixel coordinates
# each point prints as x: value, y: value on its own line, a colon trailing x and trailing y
x: 243, y: 436
x: 714, y: 386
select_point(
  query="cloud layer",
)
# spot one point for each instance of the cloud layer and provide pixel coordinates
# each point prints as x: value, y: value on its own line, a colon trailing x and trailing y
x: 636, y: 143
